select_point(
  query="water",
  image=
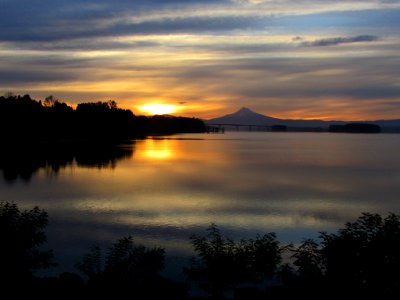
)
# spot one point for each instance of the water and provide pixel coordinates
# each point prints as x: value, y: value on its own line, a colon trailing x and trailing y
x: 165, y: 189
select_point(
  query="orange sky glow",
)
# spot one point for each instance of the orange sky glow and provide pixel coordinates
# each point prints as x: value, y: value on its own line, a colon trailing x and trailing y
x: 332, y: 60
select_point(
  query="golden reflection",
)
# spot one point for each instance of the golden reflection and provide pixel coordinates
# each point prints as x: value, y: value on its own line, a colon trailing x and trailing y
x: 187, y: 148
x: 157, y: 150
x: 158, y: 154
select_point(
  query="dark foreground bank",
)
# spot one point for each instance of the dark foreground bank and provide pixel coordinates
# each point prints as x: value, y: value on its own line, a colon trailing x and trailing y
x: 359, y: 260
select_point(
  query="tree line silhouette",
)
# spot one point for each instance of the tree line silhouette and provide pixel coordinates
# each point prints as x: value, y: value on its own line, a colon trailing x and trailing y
x: 360, y: 260
x: 22, y: 117
x: 356, y: 128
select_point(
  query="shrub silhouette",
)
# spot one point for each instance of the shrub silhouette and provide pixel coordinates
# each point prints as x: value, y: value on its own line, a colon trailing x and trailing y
x: 21, y: 233
x: 124, y: 263
x: 129, y: 268
x: 222, y: 264
x: 365, y: 255
x: 308, y: 260
x: 363, y: 258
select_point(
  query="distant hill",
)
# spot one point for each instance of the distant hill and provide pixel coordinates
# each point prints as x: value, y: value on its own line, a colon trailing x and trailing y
x: 246, y: 116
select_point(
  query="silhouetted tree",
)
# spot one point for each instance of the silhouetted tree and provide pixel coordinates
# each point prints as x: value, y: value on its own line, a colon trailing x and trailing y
x: 222, y: 264
x: 104, y: 120
x: 9, y: 94
x: 130, y: 263
x: 169, y: 124
x: 125, y: 262
x: 50, y: 101
x: 92, y: 263
x: 22, y: 118
x: 215, y: 268
x: 363, y: 258
x: 128, y: 267
x: 258, y: 258
x: 365, y: 255
x: 308, y: 260
x: 21, y: 233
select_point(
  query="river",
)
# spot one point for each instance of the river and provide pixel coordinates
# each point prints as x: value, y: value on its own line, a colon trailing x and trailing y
x: 161, y: 190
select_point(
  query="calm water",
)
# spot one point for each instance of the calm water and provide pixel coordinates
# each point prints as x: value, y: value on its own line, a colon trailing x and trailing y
x: 162, y: 190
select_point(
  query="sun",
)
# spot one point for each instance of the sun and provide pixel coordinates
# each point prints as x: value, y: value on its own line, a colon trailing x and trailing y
x: 158, y: 109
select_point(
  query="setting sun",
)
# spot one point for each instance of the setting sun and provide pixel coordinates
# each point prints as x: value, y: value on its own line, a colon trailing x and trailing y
x: 158, y: 109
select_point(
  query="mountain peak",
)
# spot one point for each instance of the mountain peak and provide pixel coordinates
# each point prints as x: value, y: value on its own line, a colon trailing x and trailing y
x: 247, y: 112
x: 244, y: 109
x: 247, y: 117
x: 244, y: 116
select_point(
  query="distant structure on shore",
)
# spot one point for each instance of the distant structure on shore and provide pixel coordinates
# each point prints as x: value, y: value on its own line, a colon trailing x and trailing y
x: 247, y: 120
x: 356, y: 128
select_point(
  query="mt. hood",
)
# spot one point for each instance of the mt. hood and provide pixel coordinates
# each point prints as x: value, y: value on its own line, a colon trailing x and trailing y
x: 245, y: 116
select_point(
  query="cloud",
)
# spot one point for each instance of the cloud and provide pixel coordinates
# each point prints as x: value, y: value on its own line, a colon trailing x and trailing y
x: 340, y: 40
x: 206, y: 52
x: 297, y: 38
x: 15, y: 77
x: 277, y: 86
x: 70, y: 29
x: 26, y: 21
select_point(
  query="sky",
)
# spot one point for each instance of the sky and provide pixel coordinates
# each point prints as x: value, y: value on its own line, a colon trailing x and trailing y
x: 320, y: 59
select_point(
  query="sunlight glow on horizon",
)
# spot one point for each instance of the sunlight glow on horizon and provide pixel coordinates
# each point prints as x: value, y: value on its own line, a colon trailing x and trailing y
x: 158, y: 109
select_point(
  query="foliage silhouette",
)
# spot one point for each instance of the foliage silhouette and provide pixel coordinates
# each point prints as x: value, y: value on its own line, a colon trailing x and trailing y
x: 365, y: 255
x: 124, y: 262
x: 126, y: 268
x: 363, y: 258
x: 223, y: 264
x: 307, y: 258
x: 21, y: 234
x: 21, y: 117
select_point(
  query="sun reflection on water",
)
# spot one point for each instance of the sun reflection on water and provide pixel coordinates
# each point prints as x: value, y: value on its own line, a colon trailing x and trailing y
x: 157, y: 150
x: 167, y: 188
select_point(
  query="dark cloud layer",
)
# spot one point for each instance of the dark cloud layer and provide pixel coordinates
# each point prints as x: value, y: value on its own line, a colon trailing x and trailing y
x: 86, y: 29
x: 11, y: 77
x: 341, y: 40
x: 45, y: 20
